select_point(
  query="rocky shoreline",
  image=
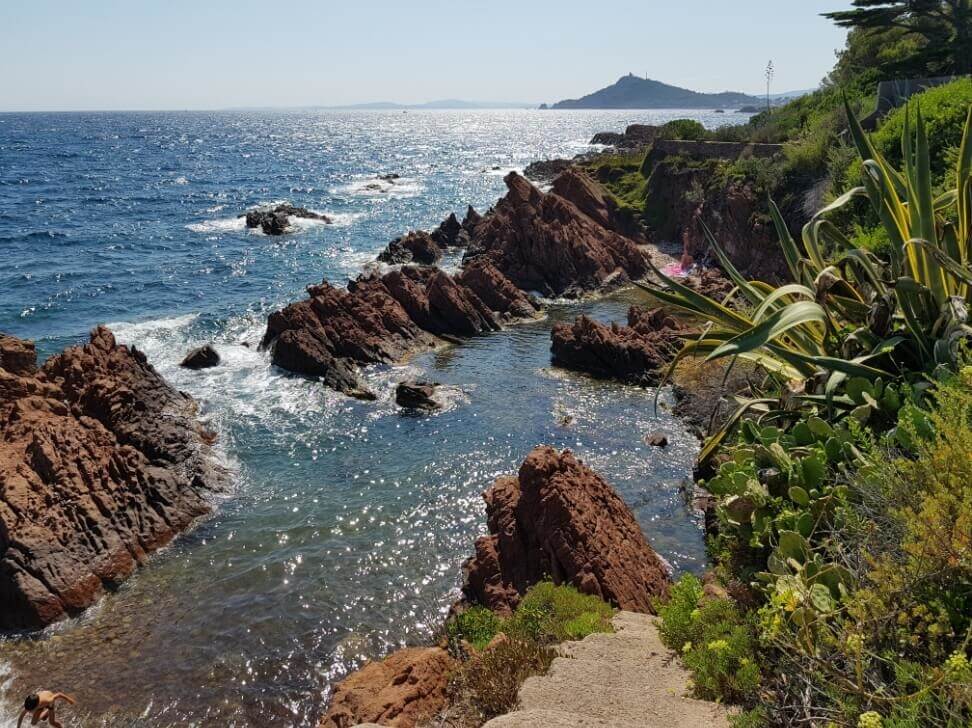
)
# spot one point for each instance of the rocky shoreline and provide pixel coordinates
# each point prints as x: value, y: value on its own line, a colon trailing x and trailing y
x: 101, y: 463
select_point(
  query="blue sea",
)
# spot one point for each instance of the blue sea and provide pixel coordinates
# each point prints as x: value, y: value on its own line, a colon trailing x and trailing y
x: 343, y: 534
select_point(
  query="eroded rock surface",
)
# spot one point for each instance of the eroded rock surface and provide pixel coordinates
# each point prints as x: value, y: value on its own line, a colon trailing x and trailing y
x: 634, y: 353
x: 406, y: 688
x: 545, y: 242
x: 383, y: 318
x: 101, y: 463
x: 559, y: 519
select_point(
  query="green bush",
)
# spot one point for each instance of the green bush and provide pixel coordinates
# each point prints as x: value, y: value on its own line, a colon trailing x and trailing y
x: 550, y: 613
x: 715, y: 640
x: 476, y: 625
x: 685, y: 129
x: 944, y: 109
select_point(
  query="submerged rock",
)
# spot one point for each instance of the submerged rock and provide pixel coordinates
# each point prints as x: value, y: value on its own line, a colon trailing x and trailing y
x: 656, y: 439
x: 276, y: 220
x: 558, y: 519
x: 403, y: 690
x: 101, y: 463
x: 544, y: 242
x: 634, y: 353
x: 417, y: 395
x: 202, y: 357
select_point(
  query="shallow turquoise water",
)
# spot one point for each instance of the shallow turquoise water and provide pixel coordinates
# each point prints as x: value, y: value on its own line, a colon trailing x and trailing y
x: 347, y: 524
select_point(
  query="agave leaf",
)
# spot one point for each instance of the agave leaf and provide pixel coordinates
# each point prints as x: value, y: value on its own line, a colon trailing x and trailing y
x: 790, y: 251
x: 851, y: 194
x: 801, y: 314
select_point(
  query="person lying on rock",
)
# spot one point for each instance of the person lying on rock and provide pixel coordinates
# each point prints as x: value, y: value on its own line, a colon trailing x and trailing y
x: 41, y: 704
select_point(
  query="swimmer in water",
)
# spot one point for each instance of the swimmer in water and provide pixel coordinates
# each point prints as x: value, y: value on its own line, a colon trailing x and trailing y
x: 41, y: 705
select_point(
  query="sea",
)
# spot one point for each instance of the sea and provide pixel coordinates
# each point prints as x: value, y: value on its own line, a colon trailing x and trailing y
x: 343, y: 533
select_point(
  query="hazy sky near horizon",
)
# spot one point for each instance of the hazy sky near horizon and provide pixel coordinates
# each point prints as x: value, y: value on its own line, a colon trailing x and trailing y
x: 208, y: 54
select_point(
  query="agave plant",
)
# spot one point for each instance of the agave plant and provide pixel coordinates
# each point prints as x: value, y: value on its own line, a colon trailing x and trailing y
x: 848, y: 316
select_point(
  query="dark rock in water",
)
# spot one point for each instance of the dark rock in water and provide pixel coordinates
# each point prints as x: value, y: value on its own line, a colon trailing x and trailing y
x: 202, y: 357
x: 417, y: 395
x: 634, y: 353
x: 546, y: 169
x: 383, y: 318
x: 390, y: 177
x: 449, y: 233
x: 417, y: 246
x: 101, y: 464
x: 276, y: 220
x: 544, y: 242
x: 558, y: 519
x: 656, y: 439
x: 406, y: 689
x: 608, y: 138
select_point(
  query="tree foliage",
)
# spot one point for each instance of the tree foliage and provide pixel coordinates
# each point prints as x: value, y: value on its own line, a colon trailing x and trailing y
x: 944, y: 28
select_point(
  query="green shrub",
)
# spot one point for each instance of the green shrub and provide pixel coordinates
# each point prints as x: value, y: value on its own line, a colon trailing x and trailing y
x: 944, y: 109
x: 685, y: 129
x: 715, y: 640
x: 488, y: 682
x: 551, y: 613
x: 476, y: 625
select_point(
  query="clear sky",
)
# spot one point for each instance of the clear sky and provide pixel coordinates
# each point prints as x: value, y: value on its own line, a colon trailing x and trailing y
x: 206, y: 54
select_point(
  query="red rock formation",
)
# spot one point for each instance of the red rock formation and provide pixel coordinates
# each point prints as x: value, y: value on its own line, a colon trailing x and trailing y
x: 101, y: 463
x: 384, y: 318
x: 634, y: 353
x: 544, y: 242
x: 417, y: 246
x: 590, y: 198
x: 559, y: 519
x: 404, y: 689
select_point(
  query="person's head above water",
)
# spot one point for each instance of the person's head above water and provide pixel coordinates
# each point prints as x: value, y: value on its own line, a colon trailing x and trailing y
x: 31, y: 702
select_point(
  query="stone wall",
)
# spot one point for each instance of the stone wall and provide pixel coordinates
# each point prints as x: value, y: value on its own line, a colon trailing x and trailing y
x: 712, y: 150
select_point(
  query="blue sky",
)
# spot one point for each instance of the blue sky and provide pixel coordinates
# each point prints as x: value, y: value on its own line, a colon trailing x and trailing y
x: 206, y: 54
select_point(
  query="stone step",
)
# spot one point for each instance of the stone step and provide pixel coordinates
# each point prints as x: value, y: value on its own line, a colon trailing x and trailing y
x: 618, y: 680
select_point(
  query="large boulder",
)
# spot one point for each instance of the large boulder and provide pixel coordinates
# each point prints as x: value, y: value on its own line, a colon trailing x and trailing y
x: 202, y: 357
x: 383, y: 318
x: 558, y: 519
x: 544, y: 242
x: 403, y: 690
x: 101, y: 463
x: 417, y: 396
x: 634, y: 353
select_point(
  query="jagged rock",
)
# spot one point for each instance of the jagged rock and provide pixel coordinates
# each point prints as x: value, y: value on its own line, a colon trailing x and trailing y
x: 101, y: 463
x: 559, y: 519
x: 407, y: 687
x: 545, y: 170
x: 417, y: 246
x: 389, y: 177
x: 471, y: 220
x: 202, y: 357
x: 590, y: 198
x: 449, y: 233
x: 381, y: 319
x: 496, y: 291
x: 634, y: 353
x: 276, y: 220
x: 544, y: 242
x: 17, y: 356
x: 417, y: 395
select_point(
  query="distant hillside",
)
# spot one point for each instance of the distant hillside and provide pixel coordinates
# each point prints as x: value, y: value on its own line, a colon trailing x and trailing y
x: 632, y: 92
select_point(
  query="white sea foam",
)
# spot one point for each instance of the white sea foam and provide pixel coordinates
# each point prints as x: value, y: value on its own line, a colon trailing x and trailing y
x: 377, y: 187
x: 219, y: 225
